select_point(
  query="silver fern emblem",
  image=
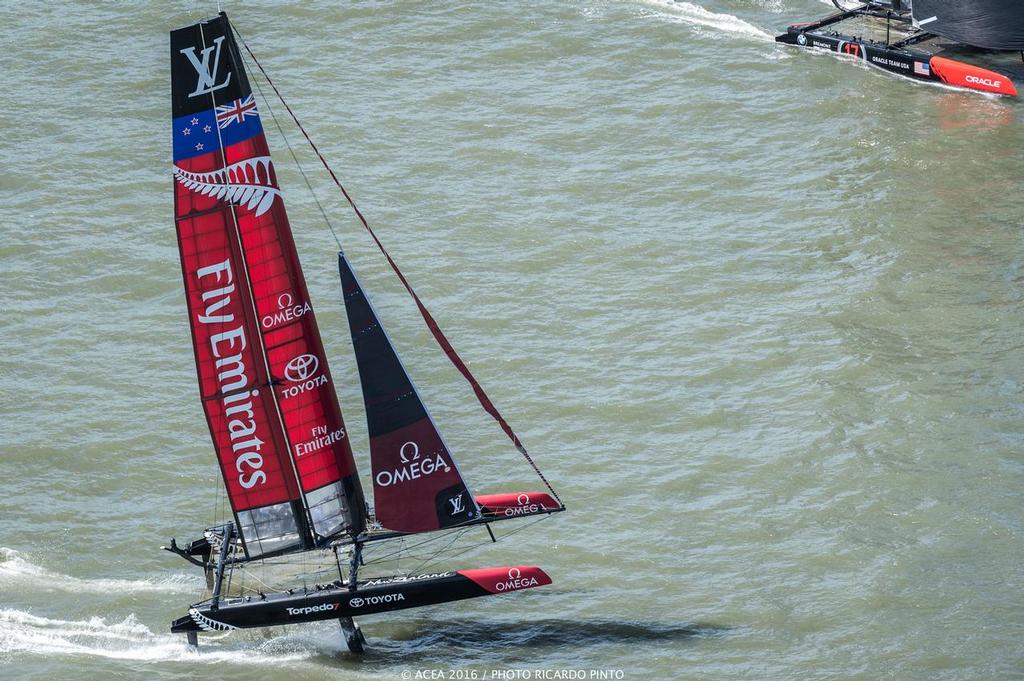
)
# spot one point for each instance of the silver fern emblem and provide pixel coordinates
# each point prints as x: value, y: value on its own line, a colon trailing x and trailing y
x: 207, y: 624
x: 249, y: 182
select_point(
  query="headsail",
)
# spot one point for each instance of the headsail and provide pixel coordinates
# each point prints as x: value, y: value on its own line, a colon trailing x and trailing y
x: 991, y: 24
x: 416, y: 484
x: 254, y: 330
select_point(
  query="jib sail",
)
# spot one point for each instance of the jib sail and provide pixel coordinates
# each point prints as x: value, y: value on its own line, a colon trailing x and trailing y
x: 991, y: 24
x: 416, y: 484
x: 263, y: 375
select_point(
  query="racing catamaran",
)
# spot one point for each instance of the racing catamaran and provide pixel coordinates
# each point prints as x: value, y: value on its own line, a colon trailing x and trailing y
x: 283, y: 449
x: 908, y: 28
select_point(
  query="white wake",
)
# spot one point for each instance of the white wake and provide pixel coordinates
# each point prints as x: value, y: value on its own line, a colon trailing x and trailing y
x: 16, y: 570
x: 129, y: 639
x: 695, y: 15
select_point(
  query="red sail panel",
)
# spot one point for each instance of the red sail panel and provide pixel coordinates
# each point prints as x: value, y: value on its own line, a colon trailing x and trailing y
x: 231, y: 372
x: 233, y: 379
x: 416, y: 484
x: 240, y: 265
x: 302, y: 378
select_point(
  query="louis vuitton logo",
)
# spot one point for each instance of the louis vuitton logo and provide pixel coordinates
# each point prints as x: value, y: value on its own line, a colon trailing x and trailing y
x: 201, y: 63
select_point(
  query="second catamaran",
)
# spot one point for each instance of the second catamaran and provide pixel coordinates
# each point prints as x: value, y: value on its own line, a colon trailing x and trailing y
x: 268, y: 394
x: 900, y: 31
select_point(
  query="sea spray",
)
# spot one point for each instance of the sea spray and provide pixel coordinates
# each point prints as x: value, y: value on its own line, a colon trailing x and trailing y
x: 695, y: 15
x: 23, y: 633
x: 17, y: 570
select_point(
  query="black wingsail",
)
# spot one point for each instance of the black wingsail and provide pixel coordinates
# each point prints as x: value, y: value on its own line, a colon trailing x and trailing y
x: 416, y: 485
x: 991, y: 24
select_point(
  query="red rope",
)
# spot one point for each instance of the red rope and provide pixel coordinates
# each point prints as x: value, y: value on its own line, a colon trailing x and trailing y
x: 428, y: 318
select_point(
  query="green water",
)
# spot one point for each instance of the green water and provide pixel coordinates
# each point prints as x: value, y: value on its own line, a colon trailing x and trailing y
x: 756, y: 312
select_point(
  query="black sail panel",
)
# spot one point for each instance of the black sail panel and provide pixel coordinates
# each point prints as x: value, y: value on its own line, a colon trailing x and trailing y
x: 991, y: 24
x: 417, y: 486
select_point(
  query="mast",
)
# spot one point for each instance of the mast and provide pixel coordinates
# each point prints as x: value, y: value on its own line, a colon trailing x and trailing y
x: 247, y: 296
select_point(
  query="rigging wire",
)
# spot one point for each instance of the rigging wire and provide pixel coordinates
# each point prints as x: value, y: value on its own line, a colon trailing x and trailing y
x: 423, y: 566
x: 246, y: 574
x: 433, y: 557
x: 302, y: 171
x: 403, y: 550
x: 428, y: 318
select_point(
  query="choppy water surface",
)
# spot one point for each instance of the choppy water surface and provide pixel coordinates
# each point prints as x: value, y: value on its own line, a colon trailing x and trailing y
x: 757, y: 313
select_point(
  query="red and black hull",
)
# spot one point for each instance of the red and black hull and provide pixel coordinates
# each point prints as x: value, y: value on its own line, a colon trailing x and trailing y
x: 372, y: 596
x: 910, y: 63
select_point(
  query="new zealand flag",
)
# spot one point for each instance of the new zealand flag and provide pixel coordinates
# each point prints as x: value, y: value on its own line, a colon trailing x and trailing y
x: 204, y: 131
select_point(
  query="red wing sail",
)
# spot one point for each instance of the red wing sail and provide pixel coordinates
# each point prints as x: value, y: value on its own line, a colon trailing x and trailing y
x: 302, y: 379
x: 263, y: 375
x: 240, y: 410
x: 416, y: 484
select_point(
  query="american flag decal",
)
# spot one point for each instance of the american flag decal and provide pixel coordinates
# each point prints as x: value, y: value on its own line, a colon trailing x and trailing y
x: 921, y: 68
x: 236, y: 112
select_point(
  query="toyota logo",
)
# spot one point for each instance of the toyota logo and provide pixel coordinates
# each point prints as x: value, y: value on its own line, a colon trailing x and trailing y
x: 301, y: 368
x: 356, y: 603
